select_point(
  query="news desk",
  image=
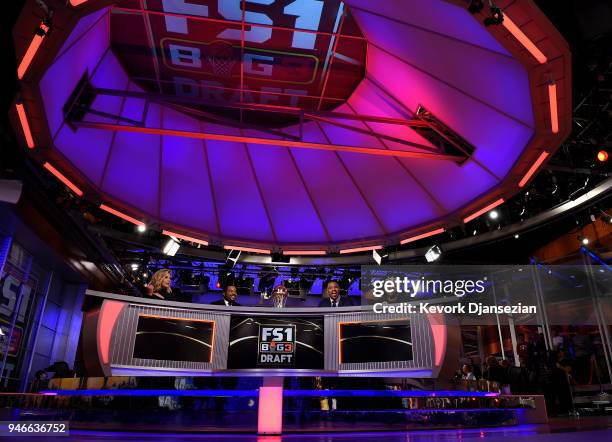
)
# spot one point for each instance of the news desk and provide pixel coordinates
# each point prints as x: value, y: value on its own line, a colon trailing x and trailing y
x: 131, y: 336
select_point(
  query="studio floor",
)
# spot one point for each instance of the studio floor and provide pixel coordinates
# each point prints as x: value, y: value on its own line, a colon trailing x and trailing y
x: 557, y: 430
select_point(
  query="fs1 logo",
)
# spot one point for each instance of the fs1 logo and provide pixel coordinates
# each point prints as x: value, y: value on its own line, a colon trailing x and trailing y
x: 276, y: 345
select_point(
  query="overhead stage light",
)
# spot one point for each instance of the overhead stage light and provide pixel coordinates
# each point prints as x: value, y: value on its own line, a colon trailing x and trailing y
x: 380, y: 256
x: 516, y: 236
x: 433, y: 254
x: 496, y: 18
x: 141, y: 228
x: 602, y: 156
x: 171, y: 247
x: 585, y: 241
x: 475, y: 6
x: 493, y: 214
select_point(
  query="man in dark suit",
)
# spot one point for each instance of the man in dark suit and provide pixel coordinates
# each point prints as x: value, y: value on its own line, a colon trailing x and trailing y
x: 229, y: 297
x: 333, y: 298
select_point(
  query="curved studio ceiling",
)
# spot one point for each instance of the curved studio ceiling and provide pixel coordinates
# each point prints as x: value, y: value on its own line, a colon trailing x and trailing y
x: 231, y: 187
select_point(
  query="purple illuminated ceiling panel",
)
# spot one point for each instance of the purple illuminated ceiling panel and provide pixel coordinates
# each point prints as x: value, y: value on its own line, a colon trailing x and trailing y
x: 242, y: 213
x: 497, y: 79
x: 495, y: 135
x: 288, y: 203
x: 392, y: 193
x: 343, y: 210
x: 63, y: 75
x: 389, y: 186
x: 318, y: 190
x: 370, y: 100
x: 340, y: 135
x: 437, y: 16
x: 87, y: 148
x: 436, y: 176
x: 84, y: 25
x: 132, y: 172
x: 186, y: 196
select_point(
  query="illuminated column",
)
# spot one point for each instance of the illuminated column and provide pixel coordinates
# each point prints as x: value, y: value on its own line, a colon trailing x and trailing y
x: 270, y: 415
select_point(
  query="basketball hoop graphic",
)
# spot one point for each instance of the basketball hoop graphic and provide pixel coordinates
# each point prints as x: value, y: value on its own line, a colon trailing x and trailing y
x: 221, y: 58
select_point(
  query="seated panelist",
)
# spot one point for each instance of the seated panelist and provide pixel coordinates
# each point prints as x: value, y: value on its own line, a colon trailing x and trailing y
x: 332, y: 298
x: 160, y: 287
x: 229, y: 297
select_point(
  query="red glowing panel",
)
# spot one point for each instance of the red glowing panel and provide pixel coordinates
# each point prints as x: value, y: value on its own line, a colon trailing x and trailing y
x: 109, y: 313
x: 77, y: 2
x: 270, y: 409
x: 121, y: 215
x: 534, y: 167
x: 483, y: 210
x: 439, y: 332
x: 185, y: 237
x: 554, y: 116
x: 31, y: 51
x: 247, y: 249
x: 60, y: 176
x: 421, y: 236
x: 301, y: 53
x: 303, y: 252
x: 23, y: 120
x: 360, y: 249
x: 524, y: 40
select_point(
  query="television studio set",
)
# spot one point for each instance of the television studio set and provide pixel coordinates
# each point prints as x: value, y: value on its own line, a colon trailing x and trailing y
x: 306, y: 220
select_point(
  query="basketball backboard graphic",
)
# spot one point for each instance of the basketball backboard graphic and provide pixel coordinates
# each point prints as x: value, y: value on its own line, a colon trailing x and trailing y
x: 306, y: 54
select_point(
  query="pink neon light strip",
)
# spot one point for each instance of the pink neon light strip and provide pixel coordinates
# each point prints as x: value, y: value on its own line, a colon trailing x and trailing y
x: 31, y: 52
x: 23, y: 119
x: 554, y: 115
x: 534, y: 167
x: 185, y: 237
x: 304, y: 252
x: 246, y: 249
x: 60, y: 176
x: 423, y: 235
x: 121, y: 215
x: 524, y: 40
x: 483, y: 210
x: 360, y: 249
x: 77, y: 2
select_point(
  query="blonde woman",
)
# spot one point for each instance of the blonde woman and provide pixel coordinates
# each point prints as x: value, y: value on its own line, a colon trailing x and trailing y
x: 160, y: 286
